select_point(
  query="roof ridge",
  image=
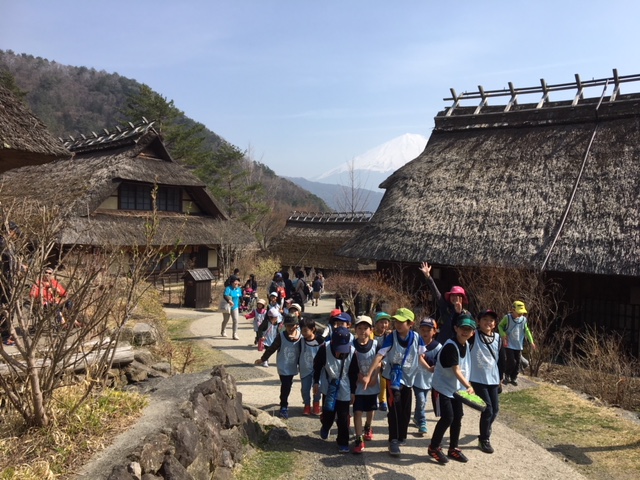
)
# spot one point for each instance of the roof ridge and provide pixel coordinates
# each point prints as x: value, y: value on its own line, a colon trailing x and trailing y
x: 116, y: 137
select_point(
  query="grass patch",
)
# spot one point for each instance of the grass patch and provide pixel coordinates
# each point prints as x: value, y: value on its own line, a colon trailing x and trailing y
x: 187, y: 355
x: 70, y: 440
x: 597, y: 440
x: 270, y: 465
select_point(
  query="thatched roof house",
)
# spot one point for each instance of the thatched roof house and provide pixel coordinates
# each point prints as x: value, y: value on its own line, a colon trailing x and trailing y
x: 105, y: 190
x: 24, y: 139
x: 551, y: 186
x: 312, y: 239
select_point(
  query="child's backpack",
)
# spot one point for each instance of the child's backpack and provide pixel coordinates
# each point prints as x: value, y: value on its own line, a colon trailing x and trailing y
x: 282, y: 292
x: 306, y: 289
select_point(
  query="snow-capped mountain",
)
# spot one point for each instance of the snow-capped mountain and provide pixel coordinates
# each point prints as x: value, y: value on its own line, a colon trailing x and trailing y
x: 375, y: 165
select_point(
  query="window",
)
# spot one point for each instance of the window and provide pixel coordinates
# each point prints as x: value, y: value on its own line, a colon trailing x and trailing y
x: 135, y: 197
x: 169, y: 199
x: 138, y: 197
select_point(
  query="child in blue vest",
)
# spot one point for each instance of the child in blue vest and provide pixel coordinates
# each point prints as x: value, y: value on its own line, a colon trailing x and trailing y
x: 403, y: 352
x: 257, y: 315
x: 269, y: 329
x: 366, y: 400
x: 288, y: 348
x: 484, y: 348
x: 513, y: 330
x: 309, y: 346
x: 451, y: 374
x: 380, y: 331
x: 422, y: 383
x: 335, y: 375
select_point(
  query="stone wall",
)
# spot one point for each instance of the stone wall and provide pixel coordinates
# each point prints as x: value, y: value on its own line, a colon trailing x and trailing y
x: 206, y: 438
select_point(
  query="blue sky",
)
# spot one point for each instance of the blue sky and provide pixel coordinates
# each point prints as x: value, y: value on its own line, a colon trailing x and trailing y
x: 308, y: 85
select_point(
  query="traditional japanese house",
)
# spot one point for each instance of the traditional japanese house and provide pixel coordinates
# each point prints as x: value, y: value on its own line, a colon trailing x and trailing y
x: 310, y: 240
x: 510, y: 182
x: 107, y: 192
x: 24, y: 139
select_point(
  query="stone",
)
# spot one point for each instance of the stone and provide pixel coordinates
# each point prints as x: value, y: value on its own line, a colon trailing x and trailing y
x: 172, y: 469
x: 120, y: 472
x: 164, y: 367
x: 144, y: 334
x: 187, y: 442
x: 277, y: 436
x: 135, y: 374
x: 223, y: 473
x: 135, y: 469
x: 143, y: 356
x: 154, y: 448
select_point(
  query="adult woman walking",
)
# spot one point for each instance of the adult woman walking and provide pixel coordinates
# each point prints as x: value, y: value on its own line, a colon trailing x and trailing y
x: 232, y: 295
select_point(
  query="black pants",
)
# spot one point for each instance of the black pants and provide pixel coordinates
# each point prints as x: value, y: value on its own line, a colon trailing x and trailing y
x: 489, y: 393
x: 512, y: 365
x: 399, y: 415
x: 341, y: 417
x: 286, y: 381
x: 451, y: 414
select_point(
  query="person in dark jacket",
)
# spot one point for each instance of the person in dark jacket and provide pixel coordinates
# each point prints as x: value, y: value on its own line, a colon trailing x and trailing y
x: 449, y: 308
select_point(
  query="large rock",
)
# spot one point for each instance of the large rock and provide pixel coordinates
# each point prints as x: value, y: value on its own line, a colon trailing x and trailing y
x: 204, y: 436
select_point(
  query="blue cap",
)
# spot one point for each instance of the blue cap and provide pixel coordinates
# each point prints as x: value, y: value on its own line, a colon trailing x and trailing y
x: 341, y: 340
x: 343, y: 317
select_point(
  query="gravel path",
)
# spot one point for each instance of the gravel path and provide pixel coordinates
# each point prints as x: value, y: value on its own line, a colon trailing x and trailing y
x: 516, y: 457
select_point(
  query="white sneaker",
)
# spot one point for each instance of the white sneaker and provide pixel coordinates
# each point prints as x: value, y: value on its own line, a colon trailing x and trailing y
x: 265, y: 364
x: 223, y: 334
x: 235, y: 337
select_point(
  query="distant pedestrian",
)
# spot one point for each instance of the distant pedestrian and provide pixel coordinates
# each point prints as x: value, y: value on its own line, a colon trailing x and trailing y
x: 232, y: 295
x: 513, y: 330
x: 269, y: 329
x: 316, y: 289
x: 257, y: 315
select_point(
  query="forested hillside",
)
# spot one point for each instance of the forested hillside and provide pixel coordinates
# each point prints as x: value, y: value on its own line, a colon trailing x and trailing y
x: 78, y: 100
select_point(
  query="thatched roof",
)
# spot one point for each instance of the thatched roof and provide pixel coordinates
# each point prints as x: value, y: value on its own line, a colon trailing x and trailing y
x: 80, y: 185
x: 312, y: 239
x: 493, y: 188
x: 24, y: 139
x: 128, y: 228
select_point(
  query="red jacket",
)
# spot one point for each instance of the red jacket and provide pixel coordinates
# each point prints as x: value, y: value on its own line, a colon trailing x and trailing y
x: 48, y: 291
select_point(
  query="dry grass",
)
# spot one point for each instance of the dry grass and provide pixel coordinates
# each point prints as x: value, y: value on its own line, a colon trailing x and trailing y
x: 599, y: 441
x: 58, y: 450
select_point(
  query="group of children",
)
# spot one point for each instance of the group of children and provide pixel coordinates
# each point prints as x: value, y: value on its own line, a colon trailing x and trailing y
x: 388, y: 363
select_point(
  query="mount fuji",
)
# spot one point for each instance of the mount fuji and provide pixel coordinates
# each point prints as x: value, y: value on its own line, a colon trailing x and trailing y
x: 376, y: 164
x: 369, y: 170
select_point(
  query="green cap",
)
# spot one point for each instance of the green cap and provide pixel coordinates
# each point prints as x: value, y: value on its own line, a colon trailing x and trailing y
x: 466, y: 320
x: 404, y: 315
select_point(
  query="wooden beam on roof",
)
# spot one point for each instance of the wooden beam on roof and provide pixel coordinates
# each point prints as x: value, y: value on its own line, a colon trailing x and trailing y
x: 545, y: 93
x: 484, y: 101
x: 616, y: 81
x: 580, y: 93
x: 456, y: 102
x: 514, y: 98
